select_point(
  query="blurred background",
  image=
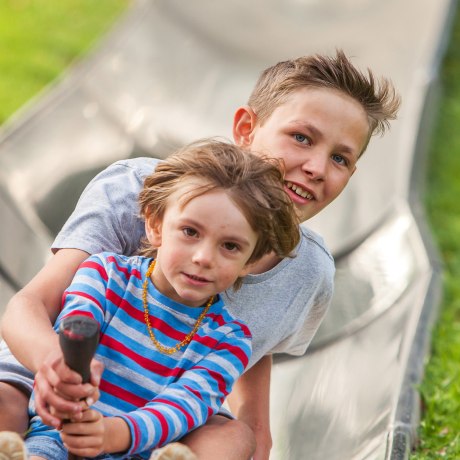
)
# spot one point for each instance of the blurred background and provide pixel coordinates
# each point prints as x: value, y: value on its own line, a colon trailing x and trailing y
x: 85, y: 83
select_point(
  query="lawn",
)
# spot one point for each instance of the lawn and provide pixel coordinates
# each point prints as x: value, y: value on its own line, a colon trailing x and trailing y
x: 40, y: 38
x: 440, y: 427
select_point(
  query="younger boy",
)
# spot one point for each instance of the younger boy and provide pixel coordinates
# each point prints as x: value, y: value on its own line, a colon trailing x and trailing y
x: 317, y: 114
x: 170, y: 348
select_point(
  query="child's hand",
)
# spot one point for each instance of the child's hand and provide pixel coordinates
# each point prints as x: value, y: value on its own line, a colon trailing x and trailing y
x: 59, y: 392
x: 85, y: 438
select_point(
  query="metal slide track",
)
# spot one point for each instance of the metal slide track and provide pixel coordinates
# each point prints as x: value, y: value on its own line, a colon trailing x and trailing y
x: 173, y: 71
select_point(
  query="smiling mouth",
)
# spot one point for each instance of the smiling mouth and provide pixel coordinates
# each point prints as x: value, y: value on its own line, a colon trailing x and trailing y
x: 299, y: 190
x: 197, y: 278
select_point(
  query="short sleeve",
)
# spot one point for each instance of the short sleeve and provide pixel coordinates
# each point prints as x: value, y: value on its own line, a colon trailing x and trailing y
x: 106, y: 217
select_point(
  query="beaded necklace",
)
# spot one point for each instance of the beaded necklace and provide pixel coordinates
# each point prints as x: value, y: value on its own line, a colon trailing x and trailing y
x: 188, y: 337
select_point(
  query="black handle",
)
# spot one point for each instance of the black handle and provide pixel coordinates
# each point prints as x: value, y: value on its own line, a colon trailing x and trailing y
x: 78, y: 337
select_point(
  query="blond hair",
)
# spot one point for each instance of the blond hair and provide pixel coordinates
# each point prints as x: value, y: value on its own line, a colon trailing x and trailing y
x: 378, y: 97
x: 255, y: 185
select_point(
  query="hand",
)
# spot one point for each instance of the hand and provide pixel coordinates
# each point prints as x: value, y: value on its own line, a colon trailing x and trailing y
x: 85, y: 437
x: 60, y: 393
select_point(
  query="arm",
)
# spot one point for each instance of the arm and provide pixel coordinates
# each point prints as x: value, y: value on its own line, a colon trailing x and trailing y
x: 27, y: 325
x: 105, y: 219
x: 249, y: 402
x: 188, y: 402
x: 27, y: 328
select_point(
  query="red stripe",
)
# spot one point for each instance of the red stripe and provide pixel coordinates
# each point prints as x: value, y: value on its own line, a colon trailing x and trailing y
x: 189, y: 418
x: 79, y: 313
x: 237, y: 352
x: 126, y: 306
x: 217, y: 378
x: 210, y: 342
x: 85, y: 295
x: 122, y: 394
x: 91, y: 264
x: 156, y: 323
x: 137, y: 433
x: 123, y: 269
x: 146, y: 363
x: 245, y: 329
x: 219, y: 319
x: 163, y: 423
x: 195, y: 392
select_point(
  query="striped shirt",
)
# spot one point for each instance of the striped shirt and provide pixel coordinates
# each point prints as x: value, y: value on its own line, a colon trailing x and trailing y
x: 161, y: 397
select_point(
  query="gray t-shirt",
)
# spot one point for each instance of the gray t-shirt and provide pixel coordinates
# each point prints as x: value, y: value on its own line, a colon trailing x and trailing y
x: 283, y: 307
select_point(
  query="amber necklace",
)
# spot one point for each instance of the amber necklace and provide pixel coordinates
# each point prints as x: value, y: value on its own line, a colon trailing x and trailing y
x: 188, y: 337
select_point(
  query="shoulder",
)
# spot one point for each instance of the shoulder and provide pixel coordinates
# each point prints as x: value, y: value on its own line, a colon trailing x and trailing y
x: 113, y: 262
x: 313, y: 252
x: 313, y: 242
x: 138, y: 168
x: 224, y: 321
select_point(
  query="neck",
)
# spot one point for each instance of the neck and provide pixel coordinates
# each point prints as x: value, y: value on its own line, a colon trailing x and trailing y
x: 267, y: 262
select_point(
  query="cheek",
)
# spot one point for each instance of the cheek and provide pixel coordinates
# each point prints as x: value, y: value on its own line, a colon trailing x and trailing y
x: 338, y: 185
x: 230, y: 271
x: 172, y: 256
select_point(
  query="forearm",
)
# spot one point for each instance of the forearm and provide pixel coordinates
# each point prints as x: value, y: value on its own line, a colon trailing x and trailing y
x: 27, y: 329
x: 117, y: 436
x: 30, y: 314
x: 250, y: 403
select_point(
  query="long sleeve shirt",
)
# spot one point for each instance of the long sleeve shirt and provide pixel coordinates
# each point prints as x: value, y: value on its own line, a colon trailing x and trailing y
x: 161, y: 397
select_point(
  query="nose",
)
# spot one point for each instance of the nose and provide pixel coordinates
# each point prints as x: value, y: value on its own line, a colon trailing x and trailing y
x: 315, y: 166
x: 203, y: 255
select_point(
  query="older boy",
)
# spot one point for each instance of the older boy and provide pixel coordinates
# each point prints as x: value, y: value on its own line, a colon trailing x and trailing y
x: 317, y: 113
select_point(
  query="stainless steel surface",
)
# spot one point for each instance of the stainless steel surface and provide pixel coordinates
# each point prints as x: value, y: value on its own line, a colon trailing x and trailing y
x: 339, y: 400
x: 173, y: 71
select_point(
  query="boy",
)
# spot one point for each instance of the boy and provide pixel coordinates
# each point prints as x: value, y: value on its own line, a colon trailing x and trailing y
x: 171, y: 350
x: 317, y: 113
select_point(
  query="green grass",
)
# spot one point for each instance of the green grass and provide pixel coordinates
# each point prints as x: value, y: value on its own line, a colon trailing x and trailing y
x: 440, y: 427
x: 40, y: 38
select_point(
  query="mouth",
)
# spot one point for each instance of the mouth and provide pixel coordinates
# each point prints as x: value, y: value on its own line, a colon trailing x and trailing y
x: 298, y: 190
x: 197, y: 278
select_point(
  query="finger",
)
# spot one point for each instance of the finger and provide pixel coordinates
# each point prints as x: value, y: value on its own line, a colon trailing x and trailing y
x: 50, y: 398
x: 85, y: 438
x: 92, y: 398
x: 73, y: 392
x: 89, y: 423
x: 82, y: 446
x: 60, y: 371
x: 97, y: 367
x: 47, y: 417
x: 51, y: 407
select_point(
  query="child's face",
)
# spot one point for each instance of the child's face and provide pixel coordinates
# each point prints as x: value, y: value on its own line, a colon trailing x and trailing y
x: 319, y: 133
x: 203, y: 246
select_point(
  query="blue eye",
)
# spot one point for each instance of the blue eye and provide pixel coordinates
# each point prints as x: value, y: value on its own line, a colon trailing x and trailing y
x: 339, y: 159
x: 302, y: 139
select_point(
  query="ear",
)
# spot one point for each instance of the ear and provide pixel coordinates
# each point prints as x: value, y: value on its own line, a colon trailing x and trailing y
x: 153, y: 231
x: 244, y: 123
